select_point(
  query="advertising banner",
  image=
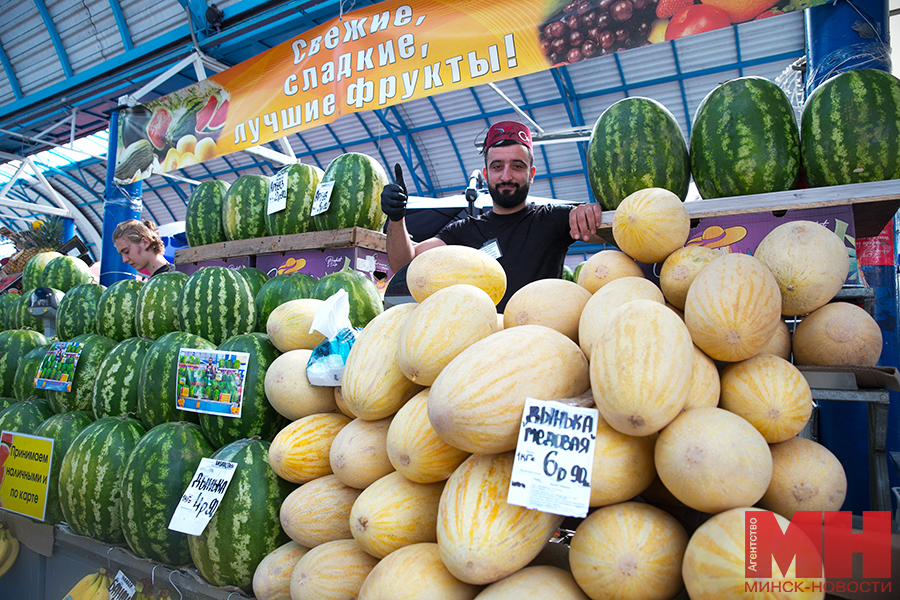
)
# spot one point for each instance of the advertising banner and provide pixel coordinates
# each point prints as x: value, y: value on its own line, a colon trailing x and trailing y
x: 393, y: 52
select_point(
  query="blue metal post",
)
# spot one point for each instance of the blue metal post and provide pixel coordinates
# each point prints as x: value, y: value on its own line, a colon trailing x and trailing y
x: 840, y: 37
x: 121, y: 203
x: 68, y: 229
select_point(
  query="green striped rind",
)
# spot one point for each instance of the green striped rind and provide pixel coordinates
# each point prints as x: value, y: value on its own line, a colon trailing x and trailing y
x: 278, y: 290
x: 203, y: 221
x: 365, y: 301
x: 116, y: 309
x: 34, y: 269
x: 15, y: 346
x: 158, y: 471
x: 745, y: 140
x: 77, y: 312
x: 258, y: 418
x: 216, y: 303
x: 4, y: 402
x: 246, y: 526
x: 23, y: 385
x: 302, y: 180
x: 254, y: 277
x: 158, y: 387
x: 5, y: 300
x: 65, y: 272
x: 849, y: 129
x: 63, y: 429
x: 356, y: 196
x: 636, y: 144
x: 18, y: 317
x: 25, y: 416
x: 96, y: 347
x: 244, y: 208
x: 90, y: 477
x: 118, y: 379
x: 157, y: 306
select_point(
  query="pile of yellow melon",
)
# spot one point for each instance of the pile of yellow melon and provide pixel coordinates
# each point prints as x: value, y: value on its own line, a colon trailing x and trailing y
x: 403, y: 471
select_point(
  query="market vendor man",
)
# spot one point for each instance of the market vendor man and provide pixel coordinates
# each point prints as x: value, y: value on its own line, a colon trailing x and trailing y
x: 140, y: 246
x: 530, y: 240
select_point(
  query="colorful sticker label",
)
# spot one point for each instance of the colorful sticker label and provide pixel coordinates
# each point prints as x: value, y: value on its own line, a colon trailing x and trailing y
x: 57, y: 369
x: 211, y: 382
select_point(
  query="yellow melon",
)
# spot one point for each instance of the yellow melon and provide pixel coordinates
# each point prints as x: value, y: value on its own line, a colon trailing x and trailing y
x: 318, y: 511
x: 332, y: 571
x: 716, y: 558
x: 713, y: 460
x: 809, y: 262
x: 394, y: 512
x: 805, y: 476
x: 553, y: 303
x: 628, y: 551
x: 289, y: 392
x: 299, y: 452
x: 641, y: 367
x: 538, y: 582
x: 606, y: 266
x: 483, y: 539
x: 412, y: 573
x: 425, y: 347
x: 414, y: 447
x: 448, y: 265
x: 607, y: 299
x: 622, y: 467
x: 658, y: 495
x: 733, y: 307
x: 373, y: 385
x: 650, y: 224
x: 679, y: 270
x: 288, y: 325
x: 839, y: 333
x: 358, y: 453
x: 770, y: 393
x: 780, y: 344
x: 476, y: 402
x: 272, y: 578
x: 341, y: 404
x: 705, y: 383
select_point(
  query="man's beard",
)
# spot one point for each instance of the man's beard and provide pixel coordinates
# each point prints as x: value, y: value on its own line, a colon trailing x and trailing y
x: 509, y: 200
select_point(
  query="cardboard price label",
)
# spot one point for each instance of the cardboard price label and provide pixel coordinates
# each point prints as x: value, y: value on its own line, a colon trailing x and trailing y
x: 203, y: 496
x: 554, y: 458
x: 277, y: 192
x: 24, y: 473
x: 121, y: 588
x: 323, y: 198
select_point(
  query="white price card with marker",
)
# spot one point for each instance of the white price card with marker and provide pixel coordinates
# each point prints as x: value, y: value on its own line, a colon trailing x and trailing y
x: 277, y: 192
x: 203, y: 496
x: 323, y: 198
x: 121, y: 588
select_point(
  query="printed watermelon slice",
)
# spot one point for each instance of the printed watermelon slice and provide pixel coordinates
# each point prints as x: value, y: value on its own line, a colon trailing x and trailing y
x: 157, y: 127
x: 213, y: 115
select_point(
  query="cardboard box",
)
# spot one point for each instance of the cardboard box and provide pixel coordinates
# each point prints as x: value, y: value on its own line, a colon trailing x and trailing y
x: 321, y: 262
x: 231, y: 263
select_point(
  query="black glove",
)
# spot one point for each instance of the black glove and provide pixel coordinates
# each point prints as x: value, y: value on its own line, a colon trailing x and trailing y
x: 393, y: 196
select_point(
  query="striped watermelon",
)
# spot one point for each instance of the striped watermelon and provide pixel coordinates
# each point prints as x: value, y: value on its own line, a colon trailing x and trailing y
x: 258, y: 418
x: 216, y: 303
x: 4, y: 402
x: 14, y: 347
x: 65, y: 272
x: 203, y: 221
x: 118, y: 379
x: 157, y: 306
x: 116, y: 309
x: 34, y: 269
x: 77, y: 312
x: 18, y: 317
x: 157, y: 473
x: 302, y: 180
x: 158, y: 387
x: 63, y: 429
x: 356, y: 196
x: 636, y: 144
x: 278, y: 290
x: 244, y: 208
x: 5, y: 300
x: 745, y: 140
x: 254, y: 277
x: 25, y: 416
x: 246, y: 526
x: 95, y: 348
x: 849, y: 129
x: 23, y: 384
x: 365, y: 301
x: 90, y: 477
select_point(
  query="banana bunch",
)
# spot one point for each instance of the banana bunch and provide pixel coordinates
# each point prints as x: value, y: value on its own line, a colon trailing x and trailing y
x: 144, y: 590
x: 94, y: 586
x: 9, y: 549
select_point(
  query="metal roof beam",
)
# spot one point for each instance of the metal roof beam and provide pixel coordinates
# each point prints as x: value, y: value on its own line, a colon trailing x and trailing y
x: 54, y: 37
x: 10, y: 74
x: 515, y: 106
x: 121, y: 24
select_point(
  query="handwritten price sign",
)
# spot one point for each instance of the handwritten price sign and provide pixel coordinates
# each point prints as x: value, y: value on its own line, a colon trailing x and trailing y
x: 203, y: 496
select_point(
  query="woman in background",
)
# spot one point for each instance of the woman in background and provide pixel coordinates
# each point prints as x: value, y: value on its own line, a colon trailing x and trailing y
x: 141, y: 247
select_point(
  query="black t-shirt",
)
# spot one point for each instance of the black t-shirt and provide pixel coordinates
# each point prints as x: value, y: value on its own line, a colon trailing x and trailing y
x: 533, y: 242
x: 166, y: 268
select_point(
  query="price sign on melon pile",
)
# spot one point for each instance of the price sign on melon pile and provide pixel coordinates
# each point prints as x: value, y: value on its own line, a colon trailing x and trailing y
x: 323, y: 198
x: 554, y: 456
x: 122, y: 588
x: 58, y: 367
x: 203, y: 496
x: 278, y: 192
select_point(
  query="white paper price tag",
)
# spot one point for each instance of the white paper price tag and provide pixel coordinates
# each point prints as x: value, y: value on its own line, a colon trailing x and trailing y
x: 121, y: 588
x: 277, y: 192
x: 554, y: 456
x: 202, y: 497
x: 323, y: 198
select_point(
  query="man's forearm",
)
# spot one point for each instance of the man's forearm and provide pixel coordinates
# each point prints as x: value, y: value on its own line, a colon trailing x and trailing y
x: 400, y: 248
